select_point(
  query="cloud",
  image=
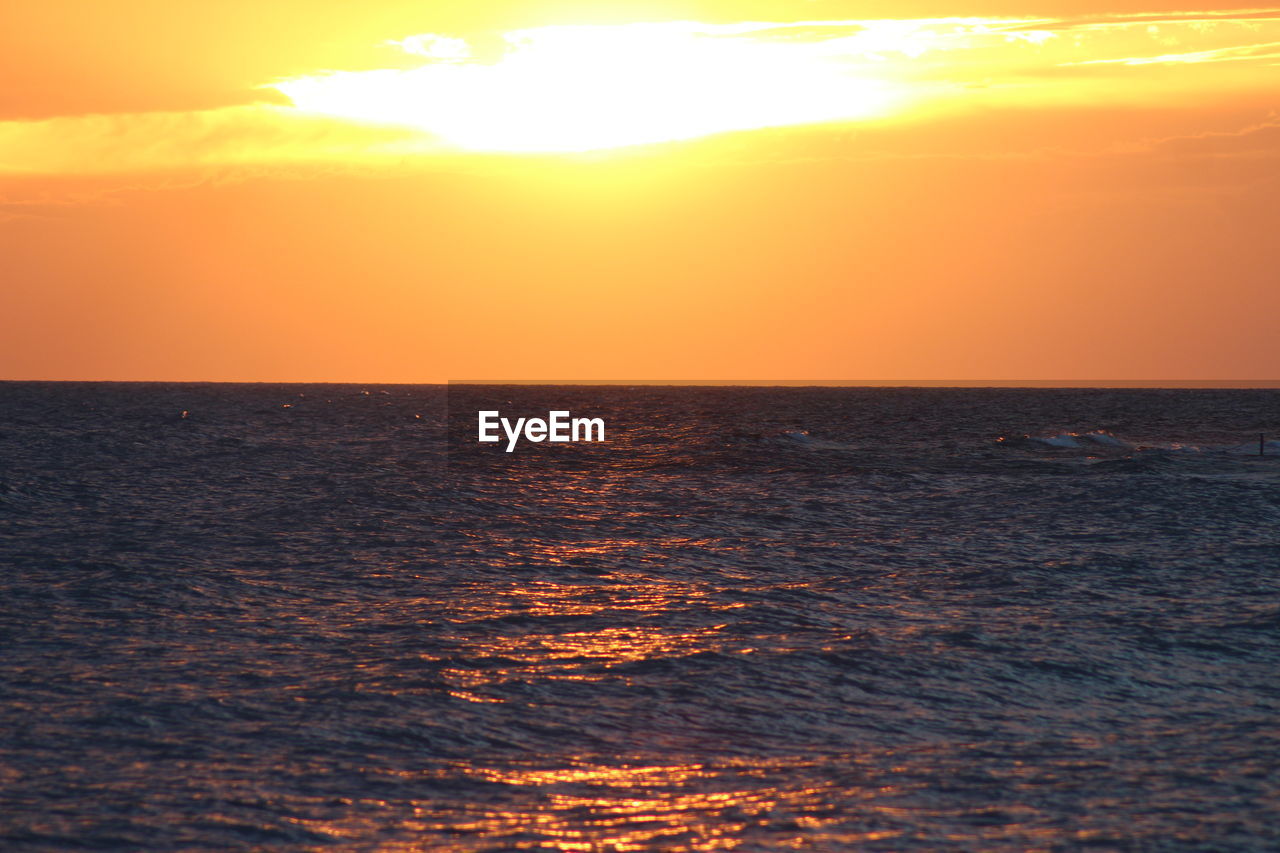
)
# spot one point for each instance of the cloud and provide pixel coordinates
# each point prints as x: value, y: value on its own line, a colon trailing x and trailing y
x: 574, y: 88
x: 1242, y: 53
x: 1197, y: 19
x: 1262, y: 138
x: 158, y: 141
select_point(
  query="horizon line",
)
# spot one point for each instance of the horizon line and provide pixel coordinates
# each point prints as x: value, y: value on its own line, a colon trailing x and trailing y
x: 1155, y: 384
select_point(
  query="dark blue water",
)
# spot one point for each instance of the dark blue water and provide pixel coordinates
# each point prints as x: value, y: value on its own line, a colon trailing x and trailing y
x: 752, y: 619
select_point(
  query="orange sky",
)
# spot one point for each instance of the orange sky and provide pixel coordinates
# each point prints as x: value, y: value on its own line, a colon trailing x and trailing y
x: 415, y: 191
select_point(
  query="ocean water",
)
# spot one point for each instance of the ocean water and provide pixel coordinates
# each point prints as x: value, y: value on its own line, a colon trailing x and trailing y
x: 322, y: 617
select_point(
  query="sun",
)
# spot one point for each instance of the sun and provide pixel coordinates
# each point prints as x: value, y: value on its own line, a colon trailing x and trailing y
x: 585, y: 88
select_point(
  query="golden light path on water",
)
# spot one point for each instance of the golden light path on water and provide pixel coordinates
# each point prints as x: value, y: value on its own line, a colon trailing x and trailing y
x: 625, y: 803
x: 630, y: 802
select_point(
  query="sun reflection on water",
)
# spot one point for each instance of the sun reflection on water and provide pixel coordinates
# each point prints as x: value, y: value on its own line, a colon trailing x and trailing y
x: 591, y: 806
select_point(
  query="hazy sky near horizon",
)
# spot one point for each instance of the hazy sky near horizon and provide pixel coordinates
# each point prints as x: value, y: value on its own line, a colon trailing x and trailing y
x: 292, y: 190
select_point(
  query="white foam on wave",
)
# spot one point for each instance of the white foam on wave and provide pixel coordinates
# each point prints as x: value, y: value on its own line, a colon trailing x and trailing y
x: 1096, y: 440
x: 804, y: 439
x: 1077, y: 440
x: 1106, y: 439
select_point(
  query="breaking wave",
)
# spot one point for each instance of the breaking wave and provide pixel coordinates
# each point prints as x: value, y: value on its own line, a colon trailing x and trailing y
x: 1101, y: 442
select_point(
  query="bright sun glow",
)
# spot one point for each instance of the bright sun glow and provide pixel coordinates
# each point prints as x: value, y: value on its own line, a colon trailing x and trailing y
x: 580, y: 88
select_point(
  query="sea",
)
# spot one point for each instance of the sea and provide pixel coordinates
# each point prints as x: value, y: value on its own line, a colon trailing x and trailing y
x: 326, y: 617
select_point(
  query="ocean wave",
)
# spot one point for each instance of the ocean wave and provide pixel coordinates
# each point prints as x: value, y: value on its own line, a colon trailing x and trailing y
x: 1101, y: 442
x: 802, y: 438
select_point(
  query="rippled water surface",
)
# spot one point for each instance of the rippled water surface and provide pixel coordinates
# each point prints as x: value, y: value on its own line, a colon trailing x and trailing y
x: 753, y: 619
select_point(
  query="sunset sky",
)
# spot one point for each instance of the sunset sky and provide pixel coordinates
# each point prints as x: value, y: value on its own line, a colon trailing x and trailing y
x: 417, y: 191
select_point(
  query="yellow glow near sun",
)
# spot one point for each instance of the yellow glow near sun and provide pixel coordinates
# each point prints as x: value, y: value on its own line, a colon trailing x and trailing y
x: 582, y: 88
